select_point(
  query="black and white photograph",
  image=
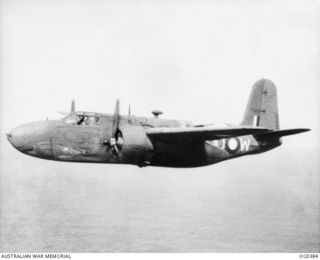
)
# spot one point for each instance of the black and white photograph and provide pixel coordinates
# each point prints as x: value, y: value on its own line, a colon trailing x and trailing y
x: 155, y: 126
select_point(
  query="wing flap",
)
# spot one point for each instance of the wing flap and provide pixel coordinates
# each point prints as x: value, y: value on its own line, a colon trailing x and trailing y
x: 199, y: 134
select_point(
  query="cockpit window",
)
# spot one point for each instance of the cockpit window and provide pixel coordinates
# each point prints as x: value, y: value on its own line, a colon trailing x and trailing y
x: 87, y: 120
x: 71, y: 119
x: 93, y: 120
x: 82, y: 119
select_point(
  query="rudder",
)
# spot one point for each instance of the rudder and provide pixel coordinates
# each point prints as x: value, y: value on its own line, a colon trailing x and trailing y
x: 262, y: 107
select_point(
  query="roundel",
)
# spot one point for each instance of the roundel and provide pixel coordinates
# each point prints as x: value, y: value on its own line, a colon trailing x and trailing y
x: 232, y: 145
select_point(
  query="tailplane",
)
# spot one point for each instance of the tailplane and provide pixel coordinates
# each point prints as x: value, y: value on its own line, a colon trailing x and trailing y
x: 279, y: 133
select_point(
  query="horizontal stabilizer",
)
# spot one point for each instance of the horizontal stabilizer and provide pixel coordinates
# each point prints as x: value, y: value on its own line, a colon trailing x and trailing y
x: 280, y: 133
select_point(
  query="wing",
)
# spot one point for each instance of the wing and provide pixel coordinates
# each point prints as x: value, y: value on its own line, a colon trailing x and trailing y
x: 199, y: 134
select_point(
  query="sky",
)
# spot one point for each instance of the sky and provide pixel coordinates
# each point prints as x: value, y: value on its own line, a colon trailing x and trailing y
x: 194, y: 60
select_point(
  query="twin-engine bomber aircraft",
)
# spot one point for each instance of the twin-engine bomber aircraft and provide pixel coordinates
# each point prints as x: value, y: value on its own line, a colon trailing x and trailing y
x: 106, y: 138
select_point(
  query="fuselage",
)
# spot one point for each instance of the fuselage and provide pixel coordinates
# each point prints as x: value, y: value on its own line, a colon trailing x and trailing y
x: 70, y: 140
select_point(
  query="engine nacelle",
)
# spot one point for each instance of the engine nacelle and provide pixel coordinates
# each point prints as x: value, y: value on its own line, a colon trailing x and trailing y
x: 136, y: 147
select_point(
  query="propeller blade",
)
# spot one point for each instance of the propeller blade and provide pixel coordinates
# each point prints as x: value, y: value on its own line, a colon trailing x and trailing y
x: 113, y: 150
x: 116, y: 150
x: 112, y: 143
x: 116, y: 119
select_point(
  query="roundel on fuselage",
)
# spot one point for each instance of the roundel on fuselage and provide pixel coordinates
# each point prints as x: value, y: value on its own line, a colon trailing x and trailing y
x: 233, y: 145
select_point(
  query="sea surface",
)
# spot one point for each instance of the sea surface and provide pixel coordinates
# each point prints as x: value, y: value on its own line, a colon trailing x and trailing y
x: 263, y: 203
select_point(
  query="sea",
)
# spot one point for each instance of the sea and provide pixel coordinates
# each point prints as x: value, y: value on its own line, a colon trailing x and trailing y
x: 261, y: 203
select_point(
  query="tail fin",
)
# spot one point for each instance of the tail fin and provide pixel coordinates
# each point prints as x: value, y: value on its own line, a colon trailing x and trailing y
x: 262, y: 107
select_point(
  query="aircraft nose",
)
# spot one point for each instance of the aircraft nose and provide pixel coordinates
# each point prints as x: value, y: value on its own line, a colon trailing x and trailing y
x: 9, y: 137
x: 18, y: 137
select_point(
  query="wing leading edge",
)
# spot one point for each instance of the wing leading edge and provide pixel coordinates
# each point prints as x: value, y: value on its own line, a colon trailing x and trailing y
x: 200, y: 134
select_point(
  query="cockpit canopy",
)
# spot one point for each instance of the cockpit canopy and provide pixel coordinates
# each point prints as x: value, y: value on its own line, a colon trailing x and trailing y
x: 82, y: 119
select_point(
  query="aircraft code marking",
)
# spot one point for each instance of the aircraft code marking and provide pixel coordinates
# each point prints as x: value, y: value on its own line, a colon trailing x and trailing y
x: 232, y: 145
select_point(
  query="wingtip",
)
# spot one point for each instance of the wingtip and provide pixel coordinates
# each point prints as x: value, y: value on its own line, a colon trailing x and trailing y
x: 301, y: 130
x: 305, y: 130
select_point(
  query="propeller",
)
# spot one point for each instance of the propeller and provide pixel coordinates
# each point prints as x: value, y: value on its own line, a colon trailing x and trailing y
x: 116, y: 119
x: 115, y: 140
